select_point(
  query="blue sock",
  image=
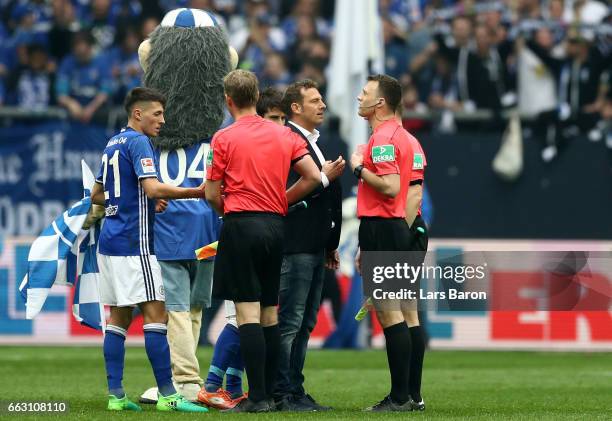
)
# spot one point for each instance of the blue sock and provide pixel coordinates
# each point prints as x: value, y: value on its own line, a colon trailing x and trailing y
x: 233, y: 380
x: 114, y: 355
x: 222, y: 357
x: 158, y: 352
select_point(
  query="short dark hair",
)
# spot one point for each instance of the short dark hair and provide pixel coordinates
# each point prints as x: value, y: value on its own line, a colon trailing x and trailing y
x: 269, y: 98
x: 389, y: 89
x: 83, y: 36
x: 294, y: 94
x: 242, y: 87
x: 142, y: 95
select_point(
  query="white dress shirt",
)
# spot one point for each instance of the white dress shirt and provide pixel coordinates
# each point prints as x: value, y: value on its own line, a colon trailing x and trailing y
x: 312, y: 139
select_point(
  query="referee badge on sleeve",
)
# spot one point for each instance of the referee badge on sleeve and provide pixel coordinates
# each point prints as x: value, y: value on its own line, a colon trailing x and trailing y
x: 209, y: 158
x: 383, y: 153
x: 417, y: 162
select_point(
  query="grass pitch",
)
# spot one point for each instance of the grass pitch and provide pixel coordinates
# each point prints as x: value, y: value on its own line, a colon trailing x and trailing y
x: 456, y: 385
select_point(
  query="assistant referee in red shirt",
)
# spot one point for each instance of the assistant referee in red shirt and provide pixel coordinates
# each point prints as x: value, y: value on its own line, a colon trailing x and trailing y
x: 251, y: 159
x: 384, y: 170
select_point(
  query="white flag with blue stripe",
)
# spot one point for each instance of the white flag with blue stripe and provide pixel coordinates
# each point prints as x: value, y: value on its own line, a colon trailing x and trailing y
x: 86, y: 306
x: 53, y: 261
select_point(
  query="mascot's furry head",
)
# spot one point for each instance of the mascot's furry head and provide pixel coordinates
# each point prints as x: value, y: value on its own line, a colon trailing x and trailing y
x: 186, y: 58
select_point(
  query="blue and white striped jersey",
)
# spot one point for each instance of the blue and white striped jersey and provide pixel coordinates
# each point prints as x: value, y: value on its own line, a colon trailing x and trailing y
x: 128, y: 226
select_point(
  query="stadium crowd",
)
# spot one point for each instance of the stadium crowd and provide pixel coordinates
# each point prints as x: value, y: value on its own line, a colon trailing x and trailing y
x: 82, y: 54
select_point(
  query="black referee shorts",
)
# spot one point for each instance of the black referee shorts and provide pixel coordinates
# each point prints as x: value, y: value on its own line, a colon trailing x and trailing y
x: 249, y: 258
x: 393, y: 234
x: 384, y: 234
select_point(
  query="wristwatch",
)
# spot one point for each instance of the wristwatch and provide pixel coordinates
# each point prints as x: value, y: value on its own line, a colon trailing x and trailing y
x: 357, y: 171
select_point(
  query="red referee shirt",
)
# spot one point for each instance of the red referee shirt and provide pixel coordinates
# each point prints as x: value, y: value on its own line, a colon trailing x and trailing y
x: 253, y: 157
x: 388, y: 152
x: 419, y: 162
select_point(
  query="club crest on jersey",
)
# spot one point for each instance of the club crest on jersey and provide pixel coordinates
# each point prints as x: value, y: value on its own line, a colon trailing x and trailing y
x: 417, y: 162
x: 383, y: 153
x: 209, y: 158
x: 147, y: 165
x: 111, y: 210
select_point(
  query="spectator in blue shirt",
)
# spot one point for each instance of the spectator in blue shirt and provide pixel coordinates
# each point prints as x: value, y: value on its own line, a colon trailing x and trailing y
x: 103, y: 24
x: 260, y: 39
x: 83, y: 81
x: 396, y: 52
x: 126, y: 70
x: 275, y: 73
x: 15, y: 48
x: 63, y: 27
x: 31, y: 85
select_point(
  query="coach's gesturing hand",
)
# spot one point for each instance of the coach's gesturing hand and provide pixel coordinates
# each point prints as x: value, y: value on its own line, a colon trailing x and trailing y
x: 334, y: 169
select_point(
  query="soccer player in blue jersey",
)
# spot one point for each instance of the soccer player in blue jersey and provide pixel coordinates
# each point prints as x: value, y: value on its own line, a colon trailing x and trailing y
x: 130, y: 274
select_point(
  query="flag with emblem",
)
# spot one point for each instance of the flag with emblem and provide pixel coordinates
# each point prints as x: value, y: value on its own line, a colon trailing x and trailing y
x: 65, y: 254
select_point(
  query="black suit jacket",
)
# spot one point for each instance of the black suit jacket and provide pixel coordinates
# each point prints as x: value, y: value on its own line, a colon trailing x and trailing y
x: 309, y: 229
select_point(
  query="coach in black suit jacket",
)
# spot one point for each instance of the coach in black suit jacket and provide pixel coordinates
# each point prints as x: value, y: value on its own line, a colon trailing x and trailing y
x: 312, y: 233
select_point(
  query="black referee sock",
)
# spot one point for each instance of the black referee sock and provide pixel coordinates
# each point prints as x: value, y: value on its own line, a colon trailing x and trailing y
x: 417, y: 355
x: 272, y: 337
x: 253, y: 350
x: 398, y: 355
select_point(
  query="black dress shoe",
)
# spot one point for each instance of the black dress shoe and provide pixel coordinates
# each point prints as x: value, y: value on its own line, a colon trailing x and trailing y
x: 389, y: 405
x: 283, y: 404
x: 247, y: 405
x: 308, y: 401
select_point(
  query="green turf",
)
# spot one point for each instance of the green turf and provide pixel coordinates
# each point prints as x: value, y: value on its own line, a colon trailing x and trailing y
x: 456, y: 385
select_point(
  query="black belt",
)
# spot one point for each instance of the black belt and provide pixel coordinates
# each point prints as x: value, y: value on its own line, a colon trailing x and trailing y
x: 246, y: 214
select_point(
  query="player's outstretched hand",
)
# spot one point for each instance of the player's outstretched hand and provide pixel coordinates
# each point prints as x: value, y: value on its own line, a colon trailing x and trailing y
x: 161, y: 205
x: 201, y: 191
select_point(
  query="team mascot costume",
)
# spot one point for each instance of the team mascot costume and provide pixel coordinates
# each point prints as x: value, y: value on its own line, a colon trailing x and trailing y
x: 186, y: 58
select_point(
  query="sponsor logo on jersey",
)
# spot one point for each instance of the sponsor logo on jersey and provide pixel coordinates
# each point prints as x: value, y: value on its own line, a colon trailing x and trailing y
x: 209, y: 158
x: 417, y: 162
x: 147, y: 165
x: 111, y: 210
x: 383, y: 153
x: 116, y: 141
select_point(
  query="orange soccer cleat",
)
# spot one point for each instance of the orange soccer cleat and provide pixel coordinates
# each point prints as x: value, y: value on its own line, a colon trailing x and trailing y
x: 220, y: 399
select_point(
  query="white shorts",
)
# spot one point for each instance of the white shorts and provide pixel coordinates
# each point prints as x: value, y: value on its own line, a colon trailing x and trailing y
x: 129, y: 280
x: 230, y: 313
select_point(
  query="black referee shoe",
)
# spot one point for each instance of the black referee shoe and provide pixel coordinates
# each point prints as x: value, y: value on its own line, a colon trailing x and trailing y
x: 247, y: 405
x: 389, y: 405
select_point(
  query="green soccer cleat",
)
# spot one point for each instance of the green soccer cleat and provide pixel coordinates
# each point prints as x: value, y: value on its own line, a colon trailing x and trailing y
x: 123, y: 404
x: 178, y: 403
